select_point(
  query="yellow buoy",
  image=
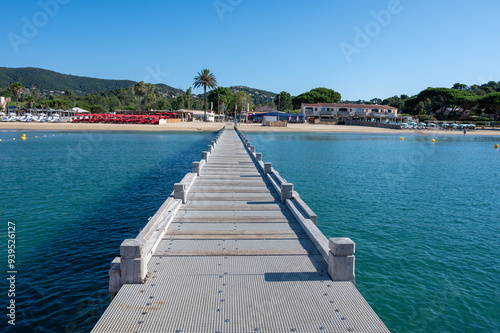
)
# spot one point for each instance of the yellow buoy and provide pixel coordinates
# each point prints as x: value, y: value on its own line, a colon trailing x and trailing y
x: 401, y: 138
x: 433, y: 140
x: 496, y: 146
x: 23, y: 137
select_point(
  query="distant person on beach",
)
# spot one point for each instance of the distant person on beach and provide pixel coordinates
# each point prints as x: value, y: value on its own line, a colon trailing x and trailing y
x: 465, y: 131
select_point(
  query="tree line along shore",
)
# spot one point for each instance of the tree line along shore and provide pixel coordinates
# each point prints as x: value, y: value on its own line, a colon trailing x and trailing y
x: 479, y: 103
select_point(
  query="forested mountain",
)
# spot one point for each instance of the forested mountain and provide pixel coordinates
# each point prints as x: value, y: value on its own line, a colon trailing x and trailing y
x: 259, y: 97
x: 53, y: 83
x: 47, y: 81
x: 44, y: 88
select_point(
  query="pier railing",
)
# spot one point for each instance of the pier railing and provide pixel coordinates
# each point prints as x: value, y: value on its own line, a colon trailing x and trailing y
x: 338, y: 252
x: 135, y: 254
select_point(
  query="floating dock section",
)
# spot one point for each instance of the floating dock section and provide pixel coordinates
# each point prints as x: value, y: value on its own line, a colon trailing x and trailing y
x: 235, y: 249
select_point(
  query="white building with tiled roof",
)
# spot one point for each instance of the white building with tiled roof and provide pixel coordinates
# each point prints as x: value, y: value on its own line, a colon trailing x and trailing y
x: 340, y: 112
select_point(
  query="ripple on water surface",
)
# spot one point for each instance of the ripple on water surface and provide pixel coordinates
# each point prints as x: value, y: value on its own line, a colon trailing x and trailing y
x: 74, y: 198
x: 424, y: 218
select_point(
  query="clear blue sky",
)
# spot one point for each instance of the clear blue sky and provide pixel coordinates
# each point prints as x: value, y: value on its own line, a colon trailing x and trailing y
x: 273, y: 45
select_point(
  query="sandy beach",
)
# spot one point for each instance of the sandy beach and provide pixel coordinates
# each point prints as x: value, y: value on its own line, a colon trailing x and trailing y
x: 212, y: 127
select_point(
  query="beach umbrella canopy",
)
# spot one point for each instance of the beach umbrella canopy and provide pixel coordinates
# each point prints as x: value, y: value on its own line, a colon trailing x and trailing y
x: 79, y: 110
x: 421, y: 124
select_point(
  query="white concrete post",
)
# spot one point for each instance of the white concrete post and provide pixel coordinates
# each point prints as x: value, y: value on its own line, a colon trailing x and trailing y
x: 196, y: 168
x: 180, y: 192
x: 210, y: 149
x: 286, y: 192
x: 252, y: 149
x: 212, y: 143
x: 133, y: 266
x: 114, y: 277
x: 258, y: 157
x: 341, y: 260
x: 268, y: 168
x: 204, y: 156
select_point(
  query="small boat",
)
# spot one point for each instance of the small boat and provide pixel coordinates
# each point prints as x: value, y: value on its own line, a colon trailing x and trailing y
x: 54, y: 118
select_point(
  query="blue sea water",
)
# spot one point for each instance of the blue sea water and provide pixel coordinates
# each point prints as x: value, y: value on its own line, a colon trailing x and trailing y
x: 74, y: 198
x: 424, y: 216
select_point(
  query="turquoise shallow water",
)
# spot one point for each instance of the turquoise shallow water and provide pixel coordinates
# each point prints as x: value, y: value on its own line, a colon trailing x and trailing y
x: 425, y: 217
x: 74, y: 198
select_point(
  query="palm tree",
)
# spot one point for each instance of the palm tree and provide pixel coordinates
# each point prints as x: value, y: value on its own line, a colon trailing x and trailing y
x: 17, y: 88
x: 205, y: 79
x: 31, y: 101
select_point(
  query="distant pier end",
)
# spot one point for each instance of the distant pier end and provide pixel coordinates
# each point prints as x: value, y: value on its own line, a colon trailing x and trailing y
x: 235, y: 249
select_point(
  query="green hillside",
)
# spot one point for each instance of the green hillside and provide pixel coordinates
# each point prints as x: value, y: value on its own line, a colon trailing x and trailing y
x: 259, y: 97
x: 102, y: 92
x: 47, y: 81
x: 168, y: 90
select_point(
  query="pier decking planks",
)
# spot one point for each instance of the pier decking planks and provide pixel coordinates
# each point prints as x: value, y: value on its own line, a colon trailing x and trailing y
x: 234, y: 259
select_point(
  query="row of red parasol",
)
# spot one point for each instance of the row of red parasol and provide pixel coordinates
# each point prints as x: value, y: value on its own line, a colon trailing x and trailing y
x: 123, y: 118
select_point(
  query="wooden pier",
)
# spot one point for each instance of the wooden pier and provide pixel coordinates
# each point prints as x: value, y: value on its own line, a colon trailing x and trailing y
x: 235, y: 249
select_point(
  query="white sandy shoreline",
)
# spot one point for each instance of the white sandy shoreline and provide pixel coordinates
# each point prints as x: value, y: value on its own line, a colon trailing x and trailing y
x: 212, y: 127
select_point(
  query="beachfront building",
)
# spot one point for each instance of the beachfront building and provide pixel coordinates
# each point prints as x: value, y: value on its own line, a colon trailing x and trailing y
x: 351, y: 114
x: 197, y: 115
